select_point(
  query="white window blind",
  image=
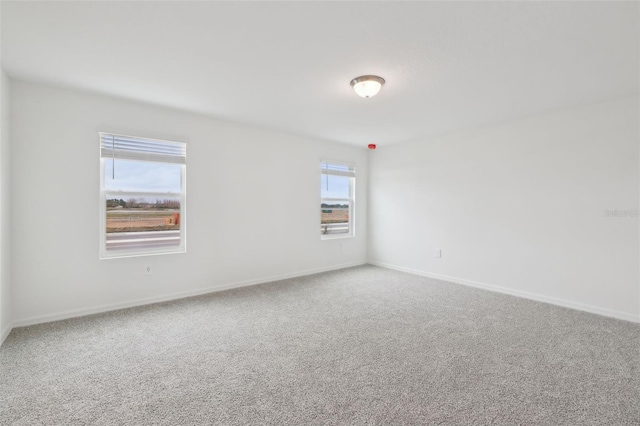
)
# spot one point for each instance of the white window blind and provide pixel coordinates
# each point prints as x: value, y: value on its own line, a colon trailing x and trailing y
x: 133, y: 148
x: 338, y: 169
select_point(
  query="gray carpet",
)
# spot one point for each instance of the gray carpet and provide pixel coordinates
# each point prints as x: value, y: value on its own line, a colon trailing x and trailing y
x: 363, y: 345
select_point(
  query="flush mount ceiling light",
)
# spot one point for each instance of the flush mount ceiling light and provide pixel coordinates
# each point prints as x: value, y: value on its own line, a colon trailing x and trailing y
x: 367, y: 86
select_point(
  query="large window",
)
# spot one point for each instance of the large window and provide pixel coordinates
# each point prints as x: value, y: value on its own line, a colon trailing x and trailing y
x: 337, y: 203
x: 142, y: 196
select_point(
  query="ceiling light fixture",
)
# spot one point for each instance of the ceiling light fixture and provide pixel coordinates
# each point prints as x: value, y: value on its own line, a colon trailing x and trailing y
x: 367, y: 86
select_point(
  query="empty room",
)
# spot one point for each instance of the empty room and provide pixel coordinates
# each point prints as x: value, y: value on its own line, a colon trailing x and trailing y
x: 294, y: 213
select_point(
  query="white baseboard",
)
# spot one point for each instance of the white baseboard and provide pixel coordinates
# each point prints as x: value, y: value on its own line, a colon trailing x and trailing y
x: 5, y: 333
x: 518, y: 293
x: 173, y: 296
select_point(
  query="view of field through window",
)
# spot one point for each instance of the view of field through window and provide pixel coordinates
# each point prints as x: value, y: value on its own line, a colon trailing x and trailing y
x: 334, y: 213
x: 335, y: 204
x: 142, y: 215
x: 140, y: 196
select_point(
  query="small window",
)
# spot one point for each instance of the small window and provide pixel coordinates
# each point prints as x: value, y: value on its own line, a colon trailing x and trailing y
x: 142, y: 196
x: 337, y: 200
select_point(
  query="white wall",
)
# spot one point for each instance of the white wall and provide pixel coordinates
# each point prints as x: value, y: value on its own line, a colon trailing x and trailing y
x: 518, y: 207
x: 252, y: 205
x: 5, y: 209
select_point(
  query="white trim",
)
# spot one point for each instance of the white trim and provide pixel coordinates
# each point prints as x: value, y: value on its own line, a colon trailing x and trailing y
x: 348, y: 200
x: 5, y: 333
x: 150, y: 194
x: 173, y: 296
x: 351, y: 200
x: 518, y: 293
x: 103, y: 253
x: 325, y: 237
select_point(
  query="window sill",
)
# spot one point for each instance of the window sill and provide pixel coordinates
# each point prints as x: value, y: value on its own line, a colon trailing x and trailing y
x: 336, y: 236
x: 124, y: 254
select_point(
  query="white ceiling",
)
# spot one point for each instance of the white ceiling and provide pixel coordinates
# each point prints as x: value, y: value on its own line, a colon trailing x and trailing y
x: 448, y: 65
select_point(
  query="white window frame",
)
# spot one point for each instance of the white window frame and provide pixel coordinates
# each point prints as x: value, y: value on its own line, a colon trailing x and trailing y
x: 104, y: 195
x: 351, y: 200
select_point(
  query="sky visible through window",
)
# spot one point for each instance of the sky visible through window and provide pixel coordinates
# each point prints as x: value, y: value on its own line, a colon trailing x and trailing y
x: 141, y: 176
x: 338, y: 186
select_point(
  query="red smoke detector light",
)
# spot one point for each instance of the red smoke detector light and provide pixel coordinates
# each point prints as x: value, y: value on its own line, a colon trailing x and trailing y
x: 372, y: 146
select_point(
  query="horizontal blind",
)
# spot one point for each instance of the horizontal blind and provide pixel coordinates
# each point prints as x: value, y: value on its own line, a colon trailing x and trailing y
x: 141, y: 149
x: 142, y: 240
x: 338, y: 169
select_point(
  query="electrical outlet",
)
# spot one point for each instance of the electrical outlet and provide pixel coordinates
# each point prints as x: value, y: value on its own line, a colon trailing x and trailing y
x: 148, y: 270
x: 438, y: 252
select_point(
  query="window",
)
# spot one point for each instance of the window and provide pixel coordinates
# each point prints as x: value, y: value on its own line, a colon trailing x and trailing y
x: 337, y: 200
x: 142, y: 196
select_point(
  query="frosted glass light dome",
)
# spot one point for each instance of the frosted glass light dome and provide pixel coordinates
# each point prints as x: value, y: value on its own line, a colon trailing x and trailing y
x: 367, y: 86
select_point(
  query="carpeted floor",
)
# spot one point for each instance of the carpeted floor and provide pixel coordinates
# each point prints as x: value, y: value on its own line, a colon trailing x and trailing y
x: 364, y: 345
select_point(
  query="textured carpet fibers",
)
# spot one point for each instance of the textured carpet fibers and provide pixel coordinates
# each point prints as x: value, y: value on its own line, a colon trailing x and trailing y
x: 364, y: 345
